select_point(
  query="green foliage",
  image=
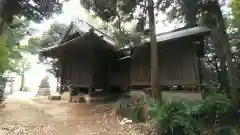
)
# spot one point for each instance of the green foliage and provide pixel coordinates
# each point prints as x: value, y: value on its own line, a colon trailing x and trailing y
x: 54, y: 70
x: 4, y: 54
x: 171, y: 118
x: 53, y: 36
x: 214, y: 108
x: 120, y: 12
x: 210, y: 87
x: 33, y: 45
x: 13, y: 35
x: 137, y: 110
x: 226, y: 130
x: 50, y: 38
x: 124, y: 37
x: 213, y: 114
x: 132, y: 109
x: 189, y: 118
x: 22, y: 65
x: 35, y: 10
x: 2, y: 98
x: 235, y: 6
x: 105, y: 9
x: 2, y: 88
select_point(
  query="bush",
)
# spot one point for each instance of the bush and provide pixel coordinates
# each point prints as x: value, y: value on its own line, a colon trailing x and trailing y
x: 226, y: 130
x: 212, y: 114
x: 2, y: 97
x: 2, y: 88
x: 214, y: 109
x: 171, y: 118
x: 137, y: 111
x: 133, y: 108
x: 190, y: 118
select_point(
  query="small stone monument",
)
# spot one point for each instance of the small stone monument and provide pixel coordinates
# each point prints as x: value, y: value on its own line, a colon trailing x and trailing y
x: 44, y: 87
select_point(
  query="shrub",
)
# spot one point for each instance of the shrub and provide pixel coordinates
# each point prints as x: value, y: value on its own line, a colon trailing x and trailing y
x: 171, y: 118
x: 214, y: 109
x: 133, y: 108
x: 188, y: 117
x: 2, y: 88
x: 226, y: 130
x: 137, y: 111
x: 212, y: 114
x: 2, y: 96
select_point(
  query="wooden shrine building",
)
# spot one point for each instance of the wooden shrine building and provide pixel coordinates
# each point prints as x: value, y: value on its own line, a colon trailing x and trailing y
x: 90, y: 62
x: 178, y: 59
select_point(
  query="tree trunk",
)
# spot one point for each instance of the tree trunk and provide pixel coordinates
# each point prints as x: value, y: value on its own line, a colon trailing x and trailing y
x: 22, y: 78
x: 222, y: 44
x: 215, y: 64
x: 22, y: 82
x: 190, y: 11
x: 58, y: 84
x: 2, y: 3
x: 156, y: 93
x: 1, y: 26
x: 218, y: 45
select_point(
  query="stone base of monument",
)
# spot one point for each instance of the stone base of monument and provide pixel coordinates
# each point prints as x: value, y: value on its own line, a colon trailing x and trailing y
x: 65, y: 96
x: 54, y: 97
x: 77, y: 99
x: 44, y: 92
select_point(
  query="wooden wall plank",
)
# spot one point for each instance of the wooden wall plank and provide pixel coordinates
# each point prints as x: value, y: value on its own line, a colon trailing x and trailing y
x: 177, y: 65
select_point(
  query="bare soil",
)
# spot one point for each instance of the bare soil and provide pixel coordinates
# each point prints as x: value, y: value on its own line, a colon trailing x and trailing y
x: 44, y: 117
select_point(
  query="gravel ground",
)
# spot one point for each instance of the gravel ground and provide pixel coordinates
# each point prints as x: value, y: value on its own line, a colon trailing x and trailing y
x: 43, y: 117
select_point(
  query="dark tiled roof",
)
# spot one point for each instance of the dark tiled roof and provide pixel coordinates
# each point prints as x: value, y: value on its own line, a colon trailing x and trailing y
x: 181, y: 33
x: 175, y: 34
x: 81, y: 27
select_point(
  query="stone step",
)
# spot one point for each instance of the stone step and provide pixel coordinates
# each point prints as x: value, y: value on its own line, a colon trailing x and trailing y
x: 77, y: 99
x: 43, y: 92
x: 54, y: 97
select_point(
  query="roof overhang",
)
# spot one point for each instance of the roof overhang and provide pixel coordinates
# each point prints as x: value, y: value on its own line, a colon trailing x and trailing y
x: 195, y: 31
x: 83, y: 39
x: 50, y: 51
x: 173, y: 36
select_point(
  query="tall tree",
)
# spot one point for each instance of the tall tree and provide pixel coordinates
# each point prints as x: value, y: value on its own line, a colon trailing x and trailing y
x: 154, y: 51
x: 4, y: 54
x: 235, y: 9
x: 54, y: 35
x: 22, y: 67
x: 209, y: 12
x: 125, y: 11
x: 214, y: 19
x: 10, y: 48
x: 35, y: 10
x: 11, y: 38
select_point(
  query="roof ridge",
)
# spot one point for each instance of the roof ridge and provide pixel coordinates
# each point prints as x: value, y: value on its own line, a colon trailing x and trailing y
x: 95, y: 29
x: 177, y: 29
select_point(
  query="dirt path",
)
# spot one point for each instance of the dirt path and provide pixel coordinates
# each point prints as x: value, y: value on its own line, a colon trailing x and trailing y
x: 27, y: 117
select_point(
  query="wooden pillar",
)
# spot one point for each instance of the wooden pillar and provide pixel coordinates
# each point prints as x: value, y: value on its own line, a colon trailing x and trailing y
x: 90, y: 91
x: 200, y: 73
x: 63, y: 74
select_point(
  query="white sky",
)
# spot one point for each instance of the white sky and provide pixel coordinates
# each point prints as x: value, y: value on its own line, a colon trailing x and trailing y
x: 71, y: 10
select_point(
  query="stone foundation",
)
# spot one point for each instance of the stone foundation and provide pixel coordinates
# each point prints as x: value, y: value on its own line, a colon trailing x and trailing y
x: 77, y: 99
x: 179, y: 96
x: 171, y: 95
x: 54, y: 97
x: 44, y: 92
